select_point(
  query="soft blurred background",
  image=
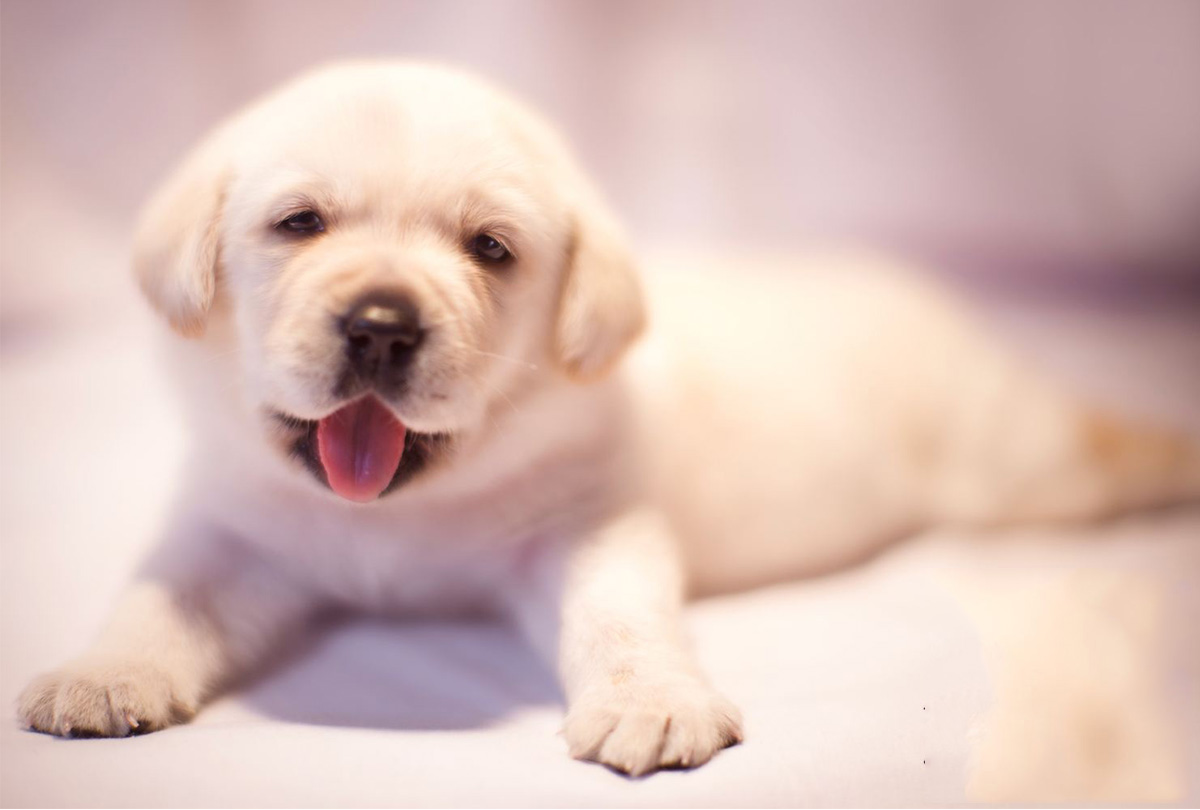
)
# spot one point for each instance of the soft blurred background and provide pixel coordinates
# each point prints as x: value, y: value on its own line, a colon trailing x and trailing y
x: 1042, y: 156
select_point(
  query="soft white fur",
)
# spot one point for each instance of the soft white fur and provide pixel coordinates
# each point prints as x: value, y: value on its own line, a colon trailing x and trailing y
x: 775, y: 421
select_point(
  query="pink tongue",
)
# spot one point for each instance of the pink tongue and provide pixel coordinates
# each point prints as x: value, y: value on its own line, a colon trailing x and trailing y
x: 360, y: 447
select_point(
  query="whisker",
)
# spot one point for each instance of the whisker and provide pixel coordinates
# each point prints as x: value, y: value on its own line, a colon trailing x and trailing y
x: 458, y: 344
x: 503, y: 396
x: 517, y: 361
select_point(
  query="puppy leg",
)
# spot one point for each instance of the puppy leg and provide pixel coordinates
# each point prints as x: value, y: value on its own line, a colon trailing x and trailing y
x: 1019, y: 450
x: 203, y: 611
x: 608, y: 612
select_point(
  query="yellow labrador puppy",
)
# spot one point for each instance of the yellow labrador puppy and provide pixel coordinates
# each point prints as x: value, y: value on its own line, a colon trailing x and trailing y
x: 400, y: 309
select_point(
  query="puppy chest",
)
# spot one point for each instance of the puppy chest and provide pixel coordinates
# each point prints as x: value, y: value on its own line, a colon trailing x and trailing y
x: 392, y: 567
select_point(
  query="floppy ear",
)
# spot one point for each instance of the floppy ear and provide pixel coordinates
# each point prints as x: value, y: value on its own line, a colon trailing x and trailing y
x: 601, y: 310
x: 177, y: 244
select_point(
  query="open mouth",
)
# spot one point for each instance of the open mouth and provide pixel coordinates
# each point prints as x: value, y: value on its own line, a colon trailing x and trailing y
x: 362, y: 451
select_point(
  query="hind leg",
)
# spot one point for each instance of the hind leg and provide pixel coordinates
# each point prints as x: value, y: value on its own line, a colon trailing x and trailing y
x: 1018, y: 450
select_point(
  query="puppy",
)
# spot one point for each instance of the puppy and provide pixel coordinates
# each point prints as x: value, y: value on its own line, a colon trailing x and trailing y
x: 402, y: 314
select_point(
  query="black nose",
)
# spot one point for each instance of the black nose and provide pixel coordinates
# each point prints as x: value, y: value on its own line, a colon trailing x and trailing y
x: 382, y: 334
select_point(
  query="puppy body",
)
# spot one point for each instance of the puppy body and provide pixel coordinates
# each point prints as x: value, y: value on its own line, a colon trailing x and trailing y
x: 805, y: 414
x: 786, y: 423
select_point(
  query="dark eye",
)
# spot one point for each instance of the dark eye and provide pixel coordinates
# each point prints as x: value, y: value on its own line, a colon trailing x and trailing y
x: 489, y: 250
x: 302, y: 223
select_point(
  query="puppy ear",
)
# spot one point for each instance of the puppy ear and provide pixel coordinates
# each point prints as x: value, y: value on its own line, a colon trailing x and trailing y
x: 177, y: 243
x: 601, y: 311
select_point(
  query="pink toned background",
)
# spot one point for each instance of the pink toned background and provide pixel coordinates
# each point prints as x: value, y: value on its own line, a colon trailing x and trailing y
x: 1044, y: 155
x: 1065, y: 135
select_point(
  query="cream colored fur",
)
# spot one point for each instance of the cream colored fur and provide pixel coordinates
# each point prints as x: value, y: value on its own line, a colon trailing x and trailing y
x: 775, y: 421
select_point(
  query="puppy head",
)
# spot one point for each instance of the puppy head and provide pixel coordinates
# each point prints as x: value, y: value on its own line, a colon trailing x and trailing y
x: 395, y: 248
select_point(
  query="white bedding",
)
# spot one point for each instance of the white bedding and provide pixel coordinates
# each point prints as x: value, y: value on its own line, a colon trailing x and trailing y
x: 1039, y: 664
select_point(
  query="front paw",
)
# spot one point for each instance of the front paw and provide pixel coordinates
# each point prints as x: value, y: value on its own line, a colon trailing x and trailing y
x: 102, y: 699
x: 636, y: 725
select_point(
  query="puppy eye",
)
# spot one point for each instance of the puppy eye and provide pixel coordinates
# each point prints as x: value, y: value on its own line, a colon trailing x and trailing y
x: 302, y: 223
x: 489, y: 250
